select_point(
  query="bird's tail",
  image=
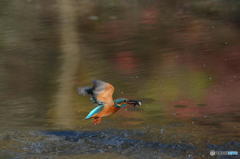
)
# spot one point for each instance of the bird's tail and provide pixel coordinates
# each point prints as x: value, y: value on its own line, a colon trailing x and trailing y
x: 85, y: 90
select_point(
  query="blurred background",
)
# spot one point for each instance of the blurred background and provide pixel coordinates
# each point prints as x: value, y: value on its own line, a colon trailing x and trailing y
x: 181, y: 57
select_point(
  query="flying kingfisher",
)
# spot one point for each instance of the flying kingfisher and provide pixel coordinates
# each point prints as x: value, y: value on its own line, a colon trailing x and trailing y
x: 101, y: 93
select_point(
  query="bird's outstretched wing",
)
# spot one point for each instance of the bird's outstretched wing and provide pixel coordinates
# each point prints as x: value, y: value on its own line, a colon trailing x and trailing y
x: 101, y: 92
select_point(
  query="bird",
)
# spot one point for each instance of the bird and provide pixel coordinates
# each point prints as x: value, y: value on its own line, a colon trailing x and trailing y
x: 102, y: 94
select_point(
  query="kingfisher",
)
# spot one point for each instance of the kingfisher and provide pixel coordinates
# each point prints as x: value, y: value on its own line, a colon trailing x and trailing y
x: 101, y: 94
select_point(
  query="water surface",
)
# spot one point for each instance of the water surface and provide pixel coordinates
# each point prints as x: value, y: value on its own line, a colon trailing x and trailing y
x: 180, y: 57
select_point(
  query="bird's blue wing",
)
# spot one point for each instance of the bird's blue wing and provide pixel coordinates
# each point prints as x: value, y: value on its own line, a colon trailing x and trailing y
x: 94, y: 111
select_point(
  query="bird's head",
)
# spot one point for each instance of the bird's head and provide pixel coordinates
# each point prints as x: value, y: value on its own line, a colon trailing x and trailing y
x: 123, y: 102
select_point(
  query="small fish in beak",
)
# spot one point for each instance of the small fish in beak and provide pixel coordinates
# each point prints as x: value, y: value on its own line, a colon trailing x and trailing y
x: 134, y: 105
x: 134, y: 102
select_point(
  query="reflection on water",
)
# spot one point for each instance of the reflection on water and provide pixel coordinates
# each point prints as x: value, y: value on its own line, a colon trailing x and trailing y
x: 63, y: 110
x: 182, y: 59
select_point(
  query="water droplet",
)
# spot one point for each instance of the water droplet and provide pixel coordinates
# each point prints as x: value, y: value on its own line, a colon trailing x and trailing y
x: 161, y: 131
x: 226, y: 43
x: 112, y: 17
x: 93, y: 17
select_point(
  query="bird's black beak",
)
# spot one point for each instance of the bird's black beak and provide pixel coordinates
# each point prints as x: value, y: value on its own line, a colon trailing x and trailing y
x: 134, y: 102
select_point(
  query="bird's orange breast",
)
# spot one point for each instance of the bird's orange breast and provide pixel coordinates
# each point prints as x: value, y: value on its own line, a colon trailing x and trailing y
x: 107, y: 111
